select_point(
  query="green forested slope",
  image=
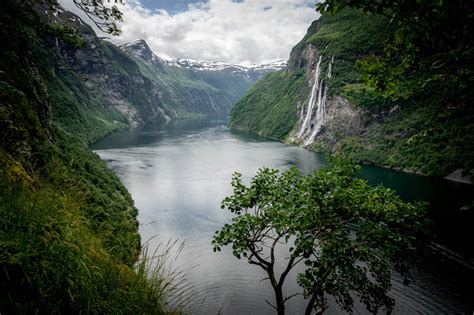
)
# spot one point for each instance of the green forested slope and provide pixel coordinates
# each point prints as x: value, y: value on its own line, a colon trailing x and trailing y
x: 268, y: 108
x: 68, y: 228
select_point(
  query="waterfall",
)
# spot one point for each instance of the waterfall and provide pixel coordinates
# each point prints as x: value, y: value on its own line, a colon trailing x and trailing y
x: 311, y: 102
x: 321, y: 106
x: 319, y: 119
x: 330, y: 68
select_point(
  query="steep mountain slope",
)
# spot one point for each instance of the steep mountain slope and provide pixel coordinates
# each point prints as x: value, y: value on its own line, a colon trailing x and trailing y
x: 320, y: 102
x: 179, y: 93
x: 68, y: 230
x: 188, y: 87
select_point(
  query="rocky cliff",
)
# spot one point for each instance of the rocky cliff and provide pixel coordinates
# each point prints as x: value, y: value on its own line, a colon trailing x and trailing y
x: 320, y: 102
x: 190, y: 87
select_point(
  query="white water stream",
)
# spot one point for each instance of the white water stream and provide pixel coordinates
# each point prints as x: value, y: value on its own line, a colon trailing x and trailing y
x: 321, y: 107
x: 314, y: 92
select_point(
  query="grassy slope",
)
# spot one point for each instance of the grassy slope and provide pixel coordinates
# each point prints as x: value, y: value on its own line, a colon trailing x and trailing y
x: 268, y: 108
x: 424, y: 136
x: 68, y: 235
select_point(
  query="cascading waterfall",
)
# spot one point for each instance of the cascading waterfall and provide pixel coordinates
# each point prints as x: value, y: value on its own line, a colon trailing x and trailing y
x: 314, y: 92
x: 321, y: 107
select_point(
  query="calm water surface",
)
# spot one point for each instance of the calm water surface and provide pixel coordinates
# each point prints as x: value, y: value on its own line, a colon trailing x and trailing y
x: 179, y: 173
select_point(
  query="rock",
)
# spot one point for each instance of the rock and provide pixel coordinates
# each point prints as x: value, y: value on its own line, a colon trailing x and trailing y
x: 342, y: 119
x: 459, y: 176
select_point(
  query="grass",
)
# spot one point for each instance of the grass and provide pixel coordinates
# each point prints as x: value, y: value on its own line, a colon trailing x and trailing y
x: 53, y: 262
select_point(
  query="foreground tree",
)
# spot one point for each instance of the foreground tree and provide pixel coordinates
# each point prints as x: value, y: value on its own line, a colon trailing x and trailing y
x: 348, y: 234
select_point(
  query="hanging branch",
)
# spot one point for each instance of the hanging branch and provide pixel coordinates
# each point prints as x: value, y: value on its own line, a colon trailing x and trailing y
x: 104, y: 18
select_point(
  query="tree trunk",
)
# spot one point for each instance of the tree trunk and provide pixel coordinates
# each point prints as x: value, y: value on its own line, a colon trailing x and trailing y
x: 279, y: 300
x: 316, y: 304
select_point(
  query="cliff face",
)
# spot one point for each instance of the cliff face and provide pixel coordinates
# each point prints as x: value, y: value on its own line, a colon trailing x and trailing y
x: 320, y: 102
x: 178, y: 92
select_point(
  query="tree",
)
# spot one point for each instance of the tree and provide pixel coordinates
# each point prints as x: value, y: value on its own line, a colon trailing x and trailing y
x: 429, y: 53
x: 103, y: 17
x: 348, y: 234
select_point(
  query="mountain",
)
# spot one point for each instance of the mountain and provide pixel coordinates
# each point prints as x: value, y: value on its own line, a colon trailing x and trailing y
x: 195, y: 84
x: 69, y: 234
x: 179, y: 92
x: 254, y: 72
x: 101, y: 87
x: 319, y: 101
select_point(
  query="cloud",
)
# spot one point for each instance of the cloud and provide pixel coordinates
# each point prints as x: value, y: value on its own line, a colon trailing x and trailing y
x: 245, y: 31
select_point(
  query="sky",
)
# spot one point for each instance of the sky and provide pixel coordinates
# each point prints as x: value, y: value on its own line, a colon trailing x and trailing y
x: 231, y: 31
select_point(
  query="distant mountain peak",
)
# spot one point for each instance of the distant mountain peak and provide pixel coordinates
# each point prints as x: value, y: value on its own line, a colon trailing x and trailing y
x: 139, y: 49
x: 218, y: 66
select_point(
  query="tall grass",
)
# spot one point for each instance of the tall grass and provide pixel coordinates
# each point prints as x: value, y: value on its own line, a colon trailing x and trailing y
x: 52, y: 262
x: 157, y: 268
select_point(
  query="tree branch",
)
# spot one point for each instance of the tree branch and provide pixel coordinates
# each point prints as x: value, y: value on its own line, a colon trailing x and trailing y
x: 289, y: 266
x: 271, y: 304
x: 291, y: 296
x: 250, y: 246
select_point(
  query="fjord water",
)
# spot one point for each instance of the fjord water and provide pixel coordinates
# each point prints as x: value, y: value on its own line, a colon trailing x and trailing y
x: 179, y: 173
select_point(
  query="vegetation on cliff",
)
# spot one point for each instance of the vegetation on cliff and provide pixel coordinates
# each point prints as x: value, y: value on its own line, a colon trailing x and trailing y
x: 416, y: 114
x: 68, y: 228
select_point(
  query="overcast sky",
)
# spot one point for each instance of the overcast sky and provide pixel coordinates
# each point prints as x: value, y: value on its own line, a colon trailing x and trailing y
x: 233, y: 31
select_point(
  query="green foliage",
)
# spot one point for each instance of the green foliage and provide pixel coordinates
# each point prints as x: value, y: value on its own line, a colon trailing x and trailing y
x: 68, y: 230
x: 429, y: 49
x: 349, y: 36
x: 52, y: 262
x: 433, y: 140
x: 267, y: 108
x: 366, y: 97
x: 347, y: 233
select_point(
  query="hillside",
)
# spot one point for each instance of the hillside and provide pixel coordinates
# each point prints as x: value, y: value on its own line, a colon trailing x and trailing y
x: 321, y: 102
x: 69, y: 235
x: 187, y: 89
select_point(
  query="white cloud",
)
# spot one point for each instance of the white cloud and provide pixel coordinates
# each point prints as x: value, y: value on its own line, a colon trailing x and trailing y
x: 247, y: 31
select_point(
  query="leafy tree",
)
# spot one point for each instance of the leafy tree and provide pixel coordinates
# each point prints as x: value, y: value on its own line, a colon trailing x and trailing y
x: 348, y: 234
x: 429, y: 52
x: 104, y: 18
